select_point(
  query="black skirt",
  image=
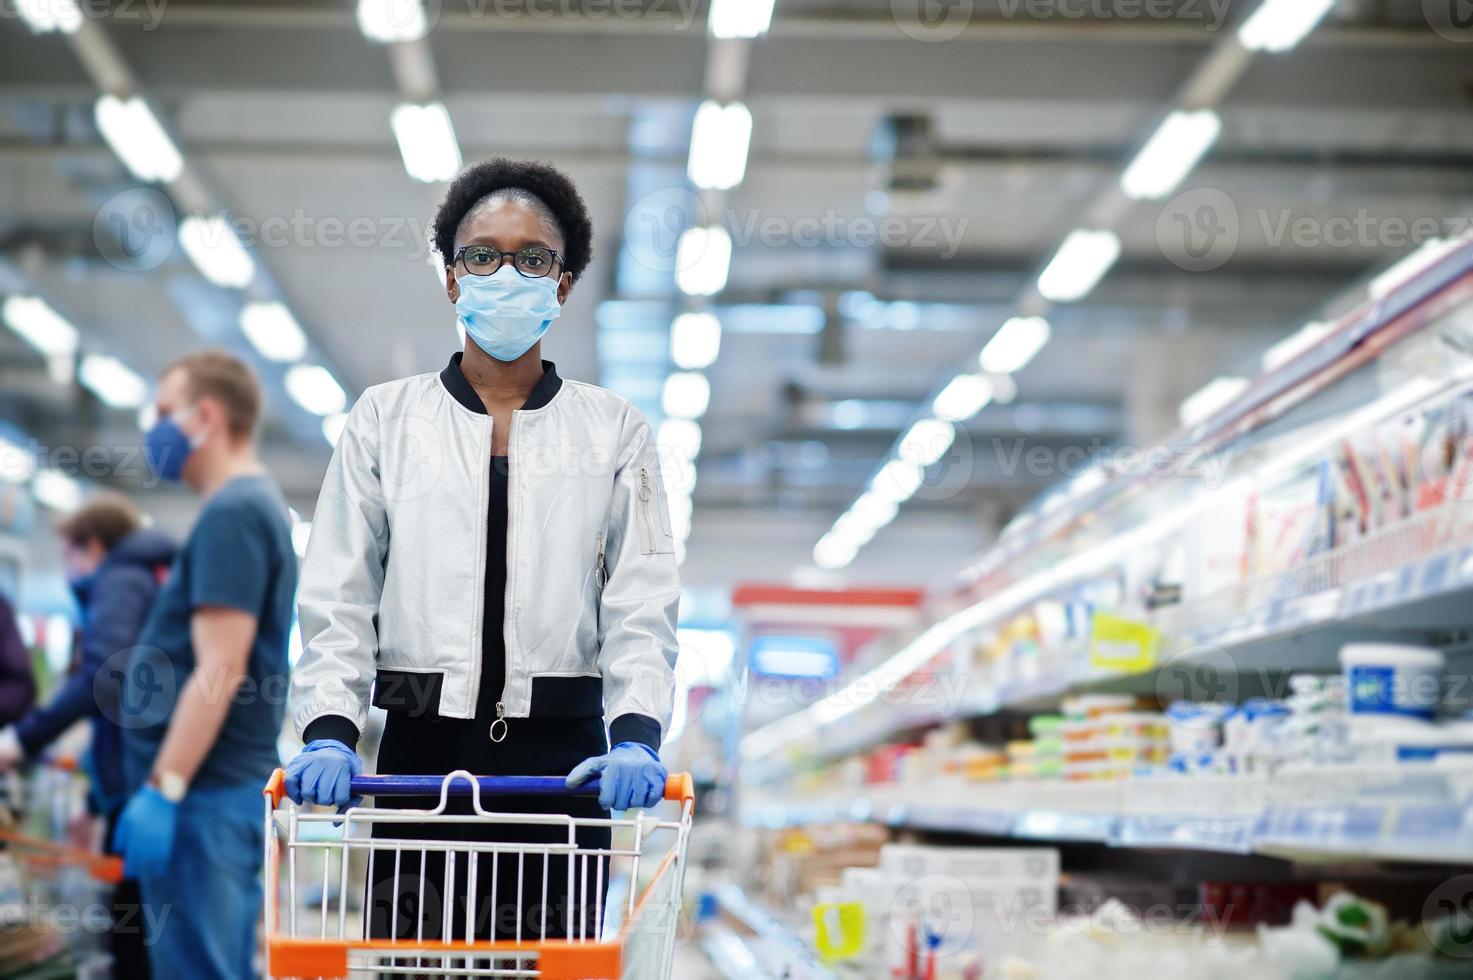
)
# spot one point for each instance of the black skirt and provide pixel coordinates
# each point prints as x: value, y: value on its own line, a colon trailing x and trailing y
x: 411, y: 903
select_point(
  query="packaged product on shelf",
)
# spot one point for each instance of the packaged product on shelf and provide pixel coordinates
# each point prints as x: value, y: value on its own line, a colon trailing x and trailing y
x: 1289, y: 523
x: 953, y: 903
x: 1389, y: 678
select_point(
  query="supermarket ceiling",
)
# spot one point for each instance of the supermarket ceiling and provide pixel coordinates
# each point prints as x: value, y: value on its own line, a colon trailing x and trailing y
x: 907, y: 179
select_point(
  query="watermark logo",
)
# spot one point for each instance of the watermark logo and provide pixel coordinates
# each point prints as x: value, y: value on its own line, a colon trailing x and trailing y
x: 135, y: 231
x: 1446, y: 458
x: 1447, y: 917
x: 931, y: 21
x: 1451, y: 19
x: 1199, y: 230
x: 136, y: 687
x: 1199, y: 674
x: 939, y: 908
x: 655, y: 222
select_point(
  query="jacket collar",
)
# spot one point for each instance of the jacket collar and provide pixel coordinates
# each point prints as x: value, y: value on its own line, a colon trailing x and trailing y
x: 460, y: 389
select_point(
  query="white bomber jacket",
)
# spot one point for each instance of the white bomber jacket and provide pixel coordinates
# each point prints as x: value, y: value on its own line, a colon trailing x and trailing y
x: 392, y: 586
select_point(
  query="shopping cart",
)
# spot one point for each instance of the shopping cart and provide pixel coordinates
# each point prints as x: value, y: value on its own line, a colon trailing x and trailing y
x: 55, y: 888
x: 328, y: 938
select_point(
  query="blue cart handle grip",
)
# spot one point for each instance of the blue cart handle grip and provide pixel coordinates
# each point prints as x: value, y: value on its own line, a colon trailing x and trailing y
x: 489, y: 785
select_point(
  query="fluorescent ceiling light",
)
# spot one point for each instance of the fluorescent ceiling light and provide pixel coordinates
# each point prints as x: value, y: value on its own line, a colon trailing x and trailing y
x: 964, y: 396
x: 1429, y: 254
x: 17, y: 463
x: 56, y: 490
x: 139, y: 140
x: 1295, y: 344
x: 833, y: 552
x: 112, y: 381
x: 273, y: 331
x: 927, y: 441
x: 1014, y: 345
x: 1278, y: 25
x: 898, y: 480
x: 702, y: 260
x: 332, y: 427
x: 46, y: 16
x: 1166, y: 159
x: 686, y: 395
x: 389, y: 21
x: 739, y: 18
x: 35, y: 322
x: 695, y: 340
x: 872, y: 511
x: 426, y: 141
x: 680, y: 438
x: 718, y: 145
x: 1212, y: 397
x: 1079, y: 265
x: 315, y: 389
x: 211, y: 245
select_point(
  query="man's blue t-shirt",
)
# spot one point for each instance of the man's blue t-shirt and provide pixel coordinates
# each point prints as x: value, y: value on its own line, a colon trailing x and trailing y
x: 239, y: 555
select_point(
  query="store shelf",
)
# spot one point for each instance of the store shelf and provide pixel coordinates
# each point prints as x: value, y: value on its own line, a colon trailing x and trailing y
x: 1229, y: 815
x: 1408, y: 578
x: 765, y: 946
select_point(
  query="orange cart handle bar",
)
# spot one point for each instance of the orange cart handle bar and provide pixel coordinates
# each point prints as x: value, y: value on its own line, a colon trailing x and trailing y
x: 678, y: 786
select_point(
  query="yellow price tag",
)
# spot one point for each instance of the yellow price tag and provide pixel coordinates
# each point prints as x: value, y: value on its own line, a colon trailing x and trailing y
x: 839, y: 929
x: 1122, y: 644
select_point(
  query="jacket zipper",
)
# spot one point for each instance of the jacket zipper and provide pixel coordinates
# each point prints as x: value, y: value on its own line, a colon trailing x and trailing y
x: 478, y: 635
x: 644, y: 501
x: 511, y: 431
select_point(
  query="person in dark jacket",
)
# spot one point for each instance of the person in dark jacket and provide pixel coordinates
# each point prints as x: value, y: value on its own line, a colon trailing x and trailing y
x: 17, y: 683
x: 115, y: 567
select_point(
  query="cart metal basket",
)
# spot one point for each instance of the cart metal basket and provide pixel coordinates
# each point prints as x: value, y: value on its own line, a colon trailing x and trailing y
x: 327, y: 936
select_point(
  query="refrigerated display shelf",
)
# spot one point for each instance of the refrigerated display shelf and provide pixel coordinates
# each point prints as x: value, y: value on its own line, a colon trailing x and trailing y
x: 1415, y: 832
x: 1409, y: 579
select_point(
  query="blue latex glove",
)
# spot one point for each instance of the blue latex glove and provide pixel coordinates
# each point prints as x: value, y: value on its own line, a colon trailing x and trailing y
x: 145, y: 834
x: 632, y: 776
x: 322, y: 773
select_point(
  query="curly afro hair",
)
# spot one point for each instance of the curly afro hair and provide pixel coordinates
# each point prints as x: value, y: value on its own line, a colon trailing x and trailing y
x: 546, y: 184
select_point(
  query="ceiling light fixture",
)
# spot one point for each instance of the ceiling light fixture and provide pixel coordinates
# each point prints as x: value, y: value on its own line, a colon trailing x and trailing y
x: 719, y: 138
x: 273, y: 331
x: 392, y: 21
x: 138, y: 138
x: 963, y: 397
x: 1014, y: 345
x: 313, y: 387
x: 427, y: 141
x: 695, y: 340
x: 1180, y: 143
x: 1279, y: 25
x: 1079, y: 265
x: 216, y: 252
x: 702, y: 260
x: 113, y: 382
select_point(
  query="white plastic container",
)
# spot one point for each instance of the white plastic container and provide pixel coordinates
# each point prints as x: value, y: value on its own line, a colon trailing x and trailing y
x: 1392, y: 679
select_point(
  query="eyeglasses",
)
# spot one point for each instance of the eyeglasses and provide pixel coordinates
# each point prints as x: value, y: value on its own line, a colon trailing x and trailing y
x: 534, y: 262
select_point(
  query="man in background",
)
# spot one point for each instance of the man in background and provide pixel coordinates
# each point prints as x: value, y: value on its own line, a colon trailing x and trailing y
x: 114, y: 566
x: 208, y: 680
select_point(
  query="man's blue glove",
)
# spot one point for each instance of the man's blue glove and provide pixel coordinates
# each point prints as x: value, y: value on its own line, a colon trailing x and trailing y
x: 322, y: 773
x: 632, y: 776
x: 145, y: 834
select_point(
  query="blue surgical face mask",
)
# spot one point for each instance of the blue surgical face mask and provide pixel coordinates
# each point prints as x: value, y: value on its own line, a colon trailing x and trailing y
x: 505, y: 313
x: 166, y: 447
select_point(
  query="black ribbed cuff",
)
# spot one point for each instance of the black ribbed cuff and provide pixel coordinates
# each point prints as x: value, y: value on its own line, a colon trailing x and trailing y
x: 334, y: 727
x: 635, y: 728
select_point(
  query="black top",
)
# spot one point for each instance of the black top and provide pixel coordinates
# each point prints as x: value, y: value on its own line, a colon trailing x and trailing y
x: 630, y: 727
